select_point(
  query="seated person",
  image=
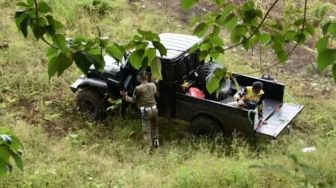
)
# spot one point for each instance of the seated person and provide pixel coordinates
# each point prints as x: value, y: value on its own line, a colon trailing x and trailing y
x: 250, y: 97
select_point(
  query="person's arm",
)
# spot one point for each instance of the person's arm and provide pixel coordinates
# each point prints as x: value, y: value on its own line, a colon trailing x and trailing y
x: 260, y: 107
x: 129, y: 99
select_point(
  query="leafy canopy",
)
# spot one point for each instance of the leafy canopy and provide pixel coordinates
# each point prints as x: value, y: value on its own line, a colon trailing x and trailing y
x: 36, y: 17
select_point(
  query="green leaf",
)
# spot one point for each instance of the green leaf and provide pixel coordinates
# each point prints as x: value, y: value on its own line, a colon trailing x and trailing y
x: 22, y: 21
x: 162, y: 49
x: 238, y: 33
x: 186, y: 4
x: 15, y: 144
x: 201, y: 29
x: 259, y: 13
x: 19, y: 17
x: 38, y: 31
x: 115, y: 51
x: 246, y: 43
x: 22, y: 4
x: 136, y: 58
x: 280, y: 51
x: 249, y: 16
x: 299, y: 22
x: 231, y: 21
x: 5, y: 138
x: 227, y: 10
x: 44, y: 7
x: 219, y: 72
x: 11, y: 140
x: 291, y: 35
x: 54, y: 23
x: 249, y: 5
x: 141, y: 45
x: 334, y: 71
x: 18, y: 160
x: 150, y: 54
x: 322, y: 44
x: 219, y: 49
x: 205, y: 46
x: 3, y: 167
x: 149, y: 35
x: 325, y: 28
x: 59, y: 64
x: 212, y: 83
x: 30, y: 2
x: 217, y: 41
x: 325, y: 58
x: 216, y: 31
x: 96, y: 55
x: 60, y: 41
x: 300, y: 37
x: 5, y: 153
x: 214, y: 55
x: 332, y: 29
x: 310, y: 29
x: 83, y: 61
x: 265, y: 39
x: 156, y: 69
x: 52, y: 53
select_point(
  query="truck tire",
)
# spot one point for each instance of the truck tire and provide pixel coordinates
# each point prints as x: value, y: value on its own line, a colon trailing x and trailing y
x: 204, y: 126
x: 92, y: 102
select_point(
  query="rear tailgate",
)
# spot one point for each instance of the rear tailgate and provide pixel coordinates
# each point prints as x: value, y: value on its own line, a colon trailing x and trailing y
x: 279, y: 119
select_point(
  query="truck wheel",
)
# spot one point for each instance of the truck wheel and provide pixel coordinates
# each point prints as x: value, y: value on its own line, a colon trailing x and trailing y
x: 204, y: 126
x: 92, y: 102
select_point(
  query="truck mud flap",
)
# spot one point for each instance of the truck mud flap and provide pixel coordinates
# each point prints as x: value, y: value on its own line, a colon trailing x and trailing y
x: 279, y: 119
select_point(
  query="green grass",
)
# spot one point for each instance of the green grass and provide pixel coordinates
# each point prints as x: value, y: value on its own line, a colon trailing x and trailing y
x: 63, y: 149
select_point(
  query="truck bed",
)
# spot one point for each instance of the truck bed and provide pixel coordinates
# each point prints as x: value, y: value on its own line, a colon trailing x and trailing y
x: 269, y: 105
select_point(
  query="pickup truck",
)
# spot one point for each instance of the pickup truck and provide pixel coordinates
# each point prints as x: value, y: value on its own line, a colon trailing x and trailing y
x: 208, y: 115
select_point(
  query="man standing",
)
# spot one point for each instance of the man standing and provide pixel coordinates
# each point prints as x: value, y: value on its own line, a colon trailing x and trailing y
x: 144, y: 98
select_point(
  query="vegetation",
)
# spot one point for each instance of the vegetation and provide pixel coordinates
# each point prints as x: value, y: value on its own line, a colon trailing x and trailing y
x: 10, y: 148
x: 63, y: 149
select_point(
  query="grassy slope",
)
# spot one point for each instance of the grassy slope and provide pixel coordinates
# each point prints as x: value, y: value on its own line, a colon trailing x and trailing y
x: 62, y: 149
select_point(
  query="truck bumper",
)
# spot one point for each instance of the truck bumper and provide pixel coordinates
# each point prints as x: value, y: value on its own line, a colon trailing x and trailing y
x: 75, y: 86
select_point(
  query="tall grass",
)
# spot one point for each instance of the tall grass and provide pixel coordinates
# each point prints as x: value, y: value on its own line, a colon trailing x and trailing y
x: 64, y: 149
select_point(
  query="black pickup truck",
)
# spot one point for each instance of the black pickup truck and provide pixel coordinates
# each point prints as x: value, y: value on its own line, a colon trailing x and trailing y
x: 208, y: 115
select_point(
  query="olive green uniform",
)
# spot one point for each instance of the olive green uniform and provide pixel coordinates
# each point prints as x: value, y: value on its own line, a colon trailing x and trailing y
x: 144, y: 98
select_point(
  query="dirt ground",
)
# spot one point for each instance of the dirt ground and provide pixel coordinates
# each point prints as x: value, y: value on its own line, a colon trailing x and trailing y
x: 302, y: 61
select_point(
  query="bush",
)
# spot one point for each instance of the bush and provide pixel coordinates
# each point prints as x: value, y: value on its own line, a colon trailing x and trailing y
x: 100, y: 7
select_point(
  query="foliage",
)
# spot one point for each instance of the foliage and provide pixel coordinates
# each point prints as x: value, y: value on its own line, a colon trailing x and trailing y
x: 247, y: 24
x: 83, y: 51
x: 248, y: 27
x: 10, y: 148
x: 100, y: 6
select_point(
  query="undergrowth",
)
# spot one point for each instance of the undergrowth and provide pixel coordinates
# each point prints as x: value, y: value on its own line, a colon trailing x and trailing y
x: 64, y: 149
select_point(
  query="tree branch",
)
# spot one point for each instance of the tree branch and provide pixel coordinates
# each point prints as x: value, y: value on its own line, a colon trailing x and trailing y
x: 258, y: 27
x: 38, y: 25
x: 292, y: 50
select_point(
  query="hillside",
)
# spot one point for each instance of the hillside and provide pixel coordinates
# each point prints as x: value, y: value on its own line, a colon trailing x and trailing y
x: 62, y: 148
